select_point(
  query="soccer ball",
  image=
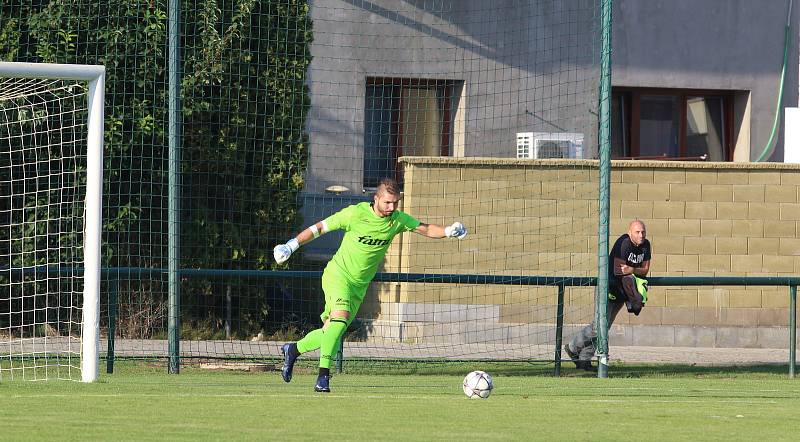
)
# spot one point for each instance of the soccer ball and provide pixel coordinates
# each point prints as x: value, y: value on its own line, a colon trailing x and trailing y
x: 478, y: 384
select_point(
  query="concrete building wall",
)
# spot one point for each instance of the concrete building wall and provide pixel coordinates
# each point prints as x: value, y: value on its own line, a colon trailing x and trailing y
x: 703, y: 219
x: 525, y: 66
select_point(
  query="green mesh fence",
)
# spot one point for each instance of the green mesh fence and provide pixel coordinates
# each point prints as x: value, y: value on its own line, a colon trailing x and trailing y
x: 485, y: 112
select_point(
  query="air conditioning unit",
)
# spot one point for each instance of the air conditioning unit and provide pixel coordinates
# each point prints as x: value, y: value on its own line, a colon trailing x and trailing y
x: 540, y: 145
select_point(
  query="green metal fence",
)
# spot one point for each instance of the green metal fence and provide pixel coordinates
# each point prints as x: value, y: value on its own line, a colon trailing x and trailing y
x: 560, y: 282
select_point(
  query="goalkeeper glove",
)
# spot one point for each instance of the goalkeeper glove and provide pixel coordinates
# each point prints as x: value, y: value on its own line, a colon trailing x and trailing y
x: 282, y: 252
x: 455, y: 230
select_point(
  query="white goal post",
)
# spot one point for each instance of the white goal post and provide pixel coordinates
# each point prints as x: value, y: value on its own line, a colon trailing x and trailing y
x: 19, y: 83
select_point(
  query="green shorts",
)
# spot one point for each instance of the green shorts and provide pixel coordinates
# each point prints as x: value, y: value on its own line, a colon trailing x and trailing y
x: 341, y: 294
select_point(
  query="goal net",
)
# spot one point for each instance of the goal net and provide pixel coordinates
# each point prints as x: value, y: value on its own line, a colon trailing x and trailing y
x: 50, y: 167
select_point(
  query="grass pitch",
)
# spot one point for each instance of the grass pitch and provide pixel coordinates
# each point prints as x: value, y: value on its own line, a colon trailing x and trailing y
x: 140, y: 401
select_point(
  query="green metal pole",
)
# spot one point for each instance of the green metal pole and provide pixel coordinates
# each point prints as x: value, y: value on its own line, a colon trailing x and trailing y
x: 173, y: 203
x: 604, y: 196
x: 559, y: 330
x: 112, y: 322
x: 792, y: 330
x: 340, y: 355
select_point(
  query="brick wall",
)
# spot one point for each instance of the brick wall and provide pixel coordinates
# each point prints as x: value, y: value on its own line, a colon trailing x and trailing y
x: 703, y: 219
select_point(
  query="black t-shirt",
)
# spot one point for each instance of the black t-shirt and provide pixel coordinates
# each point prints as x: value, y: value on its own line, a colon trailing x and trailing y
x: 633, y: 255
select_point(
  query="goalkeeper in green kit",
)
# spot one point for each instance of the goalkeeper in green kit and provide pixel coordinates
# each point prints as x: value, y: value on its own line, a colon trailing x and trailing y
x: 369, y: 230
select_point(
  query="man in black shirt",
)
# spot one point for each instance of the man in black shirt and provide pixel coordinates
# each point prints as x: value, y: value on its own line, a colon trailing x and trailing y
x: 628, y: 264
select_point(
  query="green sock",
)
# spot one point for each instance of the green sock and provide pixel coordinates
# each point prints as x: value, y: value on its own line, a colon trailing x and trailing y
x: 330, y: 340
x: 311, y: 341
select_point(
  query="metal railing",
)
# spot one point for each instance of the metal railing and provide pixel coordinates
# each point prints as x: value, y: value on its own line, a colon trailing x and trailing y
x: 560, y: 282
x: 113, y: 274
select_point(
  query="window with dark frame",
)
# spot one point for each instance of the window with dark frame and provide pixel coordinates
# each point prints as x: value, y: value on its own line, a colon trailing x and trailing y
x: 671, y: 124
x: 406, y: 116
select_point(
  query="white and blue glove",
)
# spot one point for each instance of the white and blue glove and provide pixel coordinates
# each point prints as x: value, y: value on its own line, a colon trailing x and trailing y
x: 282, y: 252
x: 455, y: 230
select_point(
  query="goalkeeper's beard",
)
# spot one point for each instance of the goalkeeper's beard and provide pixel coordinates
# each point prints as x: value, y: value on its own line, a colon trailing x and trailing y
x: 382, y: 213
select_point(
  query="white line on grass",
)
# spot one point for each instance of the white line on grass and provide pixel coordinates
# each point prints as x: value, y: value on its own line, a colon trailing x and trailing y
x: 682, y: 401
x: 626, y: 400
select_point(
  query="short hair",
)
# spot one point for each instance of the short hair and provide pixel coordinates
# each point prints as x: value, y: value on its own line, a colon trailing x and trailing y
x: 388, y: 185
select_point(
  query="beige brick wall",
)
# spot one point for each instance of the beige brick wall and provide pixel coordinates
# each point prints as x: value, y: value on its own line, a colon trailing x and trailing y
x: 540, y: 218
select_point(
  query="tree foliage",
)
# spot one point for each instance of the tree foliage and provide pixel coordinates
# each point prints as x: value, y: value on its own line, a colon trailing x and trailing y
x: 243, y: 103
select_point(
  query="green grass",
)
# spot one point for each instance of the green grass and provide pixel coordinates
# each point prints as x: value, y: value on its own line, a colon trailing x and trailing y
x: 638, y: 402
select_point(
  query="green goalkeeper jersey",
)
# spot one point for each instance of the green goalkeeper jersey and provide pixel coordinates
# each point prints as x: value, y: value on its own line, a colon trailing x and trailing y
x: 367, y: 238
